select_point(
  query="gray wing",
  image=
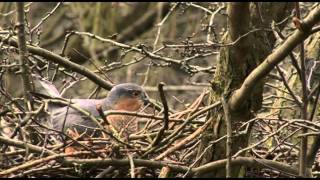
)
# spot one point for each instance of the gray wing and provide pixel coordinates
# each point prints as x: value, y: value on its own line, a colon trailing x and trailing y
x: 62, y: 118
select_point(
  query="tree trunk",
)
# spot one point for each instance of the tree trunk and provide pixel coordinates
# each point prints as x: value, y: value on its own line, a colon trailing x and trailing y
x: 235, y: 63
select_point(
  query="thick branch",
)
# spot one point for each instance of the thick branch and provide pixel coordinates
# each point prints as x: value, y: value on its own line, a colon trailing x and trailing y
x: 246, y: 161
x: 21, y: 144
x: 273, y: 59
x: 22, y: 54
x: 61, y: 61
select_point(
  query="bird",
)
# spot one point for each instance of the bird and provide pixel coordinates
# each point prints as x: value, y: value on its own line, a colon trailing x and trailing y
x: 65, y: 118
x: 125, y: 96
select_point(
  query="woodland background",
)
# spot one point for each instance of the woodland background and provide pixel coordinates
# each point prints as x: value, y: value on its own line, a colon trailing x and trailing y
x: 241, y: 84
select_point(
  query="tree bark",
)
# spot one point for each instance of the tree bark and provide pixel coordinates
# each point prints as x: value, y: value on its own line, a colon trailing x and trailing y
x: 235, y: 64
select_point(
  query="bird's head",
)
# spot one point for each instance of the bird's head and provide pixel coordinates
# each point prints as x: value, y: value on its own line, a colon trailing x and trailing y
x: 128, y: 97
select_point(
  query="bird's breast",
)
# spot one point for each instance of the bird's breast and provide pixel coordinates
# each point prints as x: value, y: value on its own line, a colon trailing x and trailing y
x: 128, y: 104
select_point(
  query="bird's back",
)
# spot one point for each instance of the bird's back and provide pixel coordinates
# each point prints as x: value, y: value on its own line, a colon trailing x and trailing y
x: 63, y: 118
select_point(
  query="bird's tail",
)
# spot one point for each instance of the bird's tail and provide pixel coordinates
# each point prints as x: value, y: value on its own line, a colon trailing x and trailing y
x: 45, y: 88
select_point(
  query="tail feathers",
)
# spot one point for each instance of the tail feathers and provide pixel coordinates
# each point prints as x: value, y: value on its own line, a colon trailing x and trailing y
x: 41, y: 96
x: 45, y: 87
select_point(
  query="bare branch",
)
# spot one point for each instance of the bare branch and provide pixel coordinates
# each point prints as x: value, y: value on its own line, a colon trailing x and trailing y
x: 273, y: 59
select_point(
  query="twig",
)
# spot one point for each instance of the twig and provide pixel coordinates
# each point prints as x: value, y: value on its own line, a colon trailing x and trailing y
x: 23, y: 55
x: 62, y: 61
x: 211, y: 23
x: 46, y: 17
x: 304, y: 108
x: 131, y: 166
x: 182, y: 126
x: 159, y: 25
x: 315, y: 105
x: 274, y: 58
x: 66, y: 115
x: 245, y: 161
x: 299, y: 103
x: 183, y: 142
x: 166, y: 116
x: 248, y: 162
x: 21, y: 144
x: 229, y: 136
x: 142, y: 50
x: 315, y: 29
x: 291, y: 55
x: 164, y: 173
x: 262, y: 141
x: 24, y: 121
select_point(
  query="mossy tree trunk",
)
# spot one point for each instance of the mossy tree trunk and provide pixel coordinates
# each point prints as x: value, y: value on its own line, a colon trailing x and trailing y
x: 235, y: 63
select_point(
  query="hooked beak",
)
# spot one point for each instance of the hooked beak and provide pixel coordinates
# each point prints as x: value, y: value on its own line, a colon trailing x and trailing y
x: 145, y: 100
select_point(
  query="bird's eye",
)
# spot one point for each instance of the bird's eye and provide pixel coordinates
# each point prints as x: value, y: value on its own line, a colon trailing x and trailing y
x: 135, y: 93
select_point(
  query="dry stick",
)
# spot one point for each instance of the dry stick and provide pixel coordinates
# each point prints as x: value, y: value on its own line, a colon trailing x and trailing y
x: 166, y: 116
x: 14, y: 10
x: 315, y: 29
x: 282, y: 141
x: 131, y: 166
x: 20, y: 144
x: 200, y: 7
x: 28, y: 164
x: 213, y: 44
x: 315, y: 104
x: 142, y: 50
x: 286, y: 124
x: 211, y: 23
x: 274, y: 58
x: 33, y: 163
x: 288, y: 87
x: 312, y: 152
x: 301, y: 123
x: 94, y: 64
x: 27, y: 88
x: 187, y: 174
x: 71, y: 138
x: 176, y: 88
x: 159, y: 25
x: 44, y: 168
x: 229, y: 136
x: 125, y: 162
x: 190, y: 151
x: 245, y: 161
x: 25, y: 120
x: 251, y: 162
x: 65, y: 43
x: 105, y: 172
x: 184, y: 141
x: 164, y: 173
x: 195, y: 115
x: 304, y: 108
x: 292, y: 57
x: 46, y: 17
x: 143, y: 115
x: 66, y: 115
x: 277, y: 88
x: 62, y: 62
x: 248, y: 162
x: 183, y: 125
x: 313, y: 91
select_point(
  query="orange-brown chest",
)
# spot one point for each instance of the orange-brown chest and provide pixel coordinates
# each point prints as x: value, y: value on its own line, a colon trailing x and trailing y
x: 128, y: 104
